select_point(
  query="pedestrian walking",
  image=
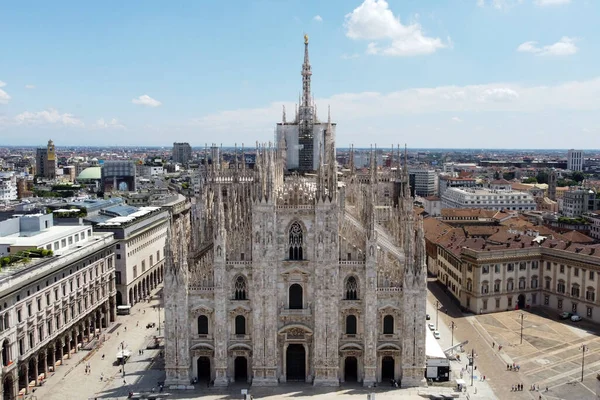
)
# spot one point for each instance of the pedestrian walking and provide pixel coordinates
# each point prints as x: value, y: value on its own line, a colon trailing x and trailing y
x: 493, y: 344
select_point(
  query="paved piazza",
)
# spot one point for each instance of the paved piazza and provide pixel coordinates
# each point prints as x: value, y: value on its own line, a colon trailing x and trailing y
x: 551, y: 352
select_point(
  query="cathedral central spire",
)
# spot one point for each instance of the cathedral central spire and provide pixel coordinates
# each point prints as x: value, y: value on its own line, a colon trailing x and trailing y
x: 306, y: 74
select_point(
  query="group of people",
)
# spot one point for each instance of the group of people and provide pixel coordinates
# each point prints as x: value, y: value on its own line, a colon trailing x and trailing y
x: 513, y: 367
x: 517, y: 388
x: 88, y: 368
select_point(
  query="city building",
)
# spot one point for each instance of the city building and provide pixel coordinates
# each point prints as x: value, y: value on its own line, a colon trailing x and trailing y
x: 45, y: 161
x: 118, y: 176
x: 577, y: 201
x: 447, y: 181
x: 422, y: 182
x: 305, y: 137
x: 53, y: 306
x: 575, y: 160
x: 8, y: 186
x: 140, y: 235
x: 492, y: 199
x: 182, y: 153
x: 594, y: 219
x: 294, y: 277
x: 518, y: 269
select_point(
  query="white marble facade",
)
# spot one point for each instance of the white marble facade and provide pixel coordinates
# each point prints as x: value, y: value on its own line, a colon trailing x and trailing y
x: 278, y: 277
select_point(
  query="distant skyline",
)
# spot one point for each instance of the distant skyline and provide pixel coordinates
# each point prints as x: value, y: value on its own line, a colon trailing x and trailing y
x: 473, y: 74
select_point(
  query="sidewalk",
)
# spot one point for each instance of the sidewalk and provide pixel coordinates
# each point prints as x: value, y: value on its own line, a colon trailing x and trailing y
x: 70, y: 381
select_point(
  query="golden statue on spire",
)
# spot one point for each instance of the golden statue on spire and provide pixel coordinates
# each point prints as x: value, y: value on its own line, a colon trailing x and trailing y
x: 305, y: 38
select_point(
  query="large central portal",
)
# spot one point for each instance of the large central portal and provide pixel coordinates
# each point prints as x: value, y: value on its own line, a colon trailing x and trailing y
x: 295, y: 363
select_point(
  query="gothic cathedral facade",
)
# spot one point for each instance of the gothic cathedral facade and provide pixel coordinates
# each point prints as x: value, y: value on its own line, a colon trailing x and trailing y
x: 285, y: 274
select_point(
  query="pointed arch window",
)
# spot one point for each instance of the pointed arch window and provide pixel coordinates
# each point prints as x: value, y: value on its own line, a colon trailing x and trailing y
x: 296, y: 242
x: 240, y: 288
x: 351, y: 289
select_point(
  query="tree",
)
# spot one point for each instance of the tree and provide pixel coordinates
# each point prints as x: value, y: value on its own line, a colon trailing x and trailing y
x: 508, y: 176
x: 530, y: 180
x: 578, y: 176
x: 542, y: 177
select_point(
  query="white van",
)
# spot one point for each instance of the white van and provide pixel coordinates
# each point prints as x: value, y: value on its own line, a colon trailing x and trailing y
x: 123, y: 310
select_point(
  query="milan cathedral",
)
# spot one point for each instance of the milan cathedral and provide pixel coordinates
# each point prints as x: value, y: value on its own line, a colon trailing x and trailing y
x: 286, y: 274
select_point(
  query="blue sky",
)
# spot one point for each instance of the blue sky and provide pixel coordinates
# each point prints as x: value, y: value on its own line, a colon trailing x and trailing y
x: 455, y: 73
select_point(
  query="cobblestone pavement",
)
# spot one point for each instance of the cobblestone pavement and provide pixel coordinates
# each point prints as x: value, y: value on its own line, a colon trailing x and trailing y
x: 142, y: 372
x: 550, y: 355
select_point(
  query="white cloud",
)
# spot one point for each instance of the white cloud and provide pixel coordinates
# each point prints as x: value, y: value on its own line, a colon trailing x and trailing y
x: 349, y: 56
x: 29, y: 86
x: 112, y: 124
x: 47, y: 117
x: 318, y: 18
x: 564, y: 47
x: 4, y: 97
x: 486, y: 106
x: 457, y: 119
x: 543, y: 3
x: 374, y: 21
x: 146, y: 100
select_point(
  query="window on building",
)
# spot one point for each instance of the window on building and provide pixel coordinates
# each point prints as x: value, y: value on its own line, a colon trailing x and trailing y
x: 522, y: 283
x: 351, y: 288
x: 562, y: 269
x: 143, y: 266
x: 295, y: 297
x: 296, y: 243
x: 576, y: 271
x: 590, y: 294
x: 240, y: 325
x: 591, y: 275
x: 546, y: 300
x: 118, y: 277
x: 484, y: 306
x: 240, y: 288
x: 522, y: 266
x: 485, y: 269
x: 388, y: 325
x: 575, y: 290
x: 152, y: 260
x: 510, y: 302
x: 39, y: 303
x: 497, y: 303
x: 574, y: 307
x: 497, y: 283
x: 510, y: 285
x: 135, y: 274
x: 560, y: 287
x: 589, y: 312
x: 534, y: 282
x: 534, y: 264
x: 497, y: 268
x: 559, y: 303
x: 485, y: 287
x: 510, y: 267
x: 19, y: 315
x: 203, y: 325
x: 351, y: 325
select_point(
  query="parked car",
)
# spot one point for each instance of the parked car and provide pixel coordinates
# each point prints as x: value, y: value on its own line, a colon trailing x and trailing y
x: 436, y: 334
x: 576, y: 318
x: 427, y: 317
x: 431, y: 326
x: 565, y: 315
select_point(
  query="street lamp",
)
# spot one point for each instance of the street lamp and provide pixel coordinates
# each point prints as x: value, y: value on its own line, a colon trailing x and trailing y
x: 583, y: 349
x: 472, y: 362
x: 452, y: 327
x: 523, y: 316
x: 437, y: 309
x: 123, y: 358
